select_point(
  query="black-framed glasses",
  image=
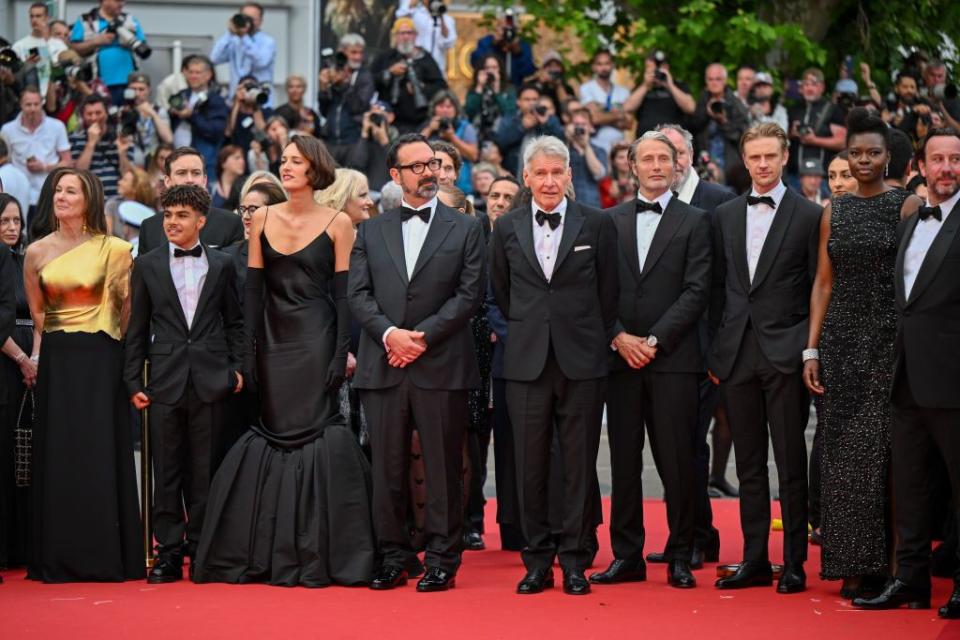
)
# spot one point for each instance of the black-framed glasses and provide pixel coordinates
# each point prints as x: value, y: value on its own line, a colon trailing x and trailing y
x: 246, y: 211
x: 418, y: 167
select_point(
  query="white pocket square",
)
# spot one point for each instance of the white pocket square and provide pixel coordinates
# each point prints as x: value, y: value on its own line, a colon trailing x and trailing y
x: 582, y: 247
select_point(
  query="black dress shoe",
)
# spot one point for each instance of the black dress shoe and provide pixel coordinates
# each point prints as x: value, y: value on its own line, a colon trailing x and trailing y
x: 951, y: 610
x: 657, y: 557
x: 793, y: 579
x: 896, y: 594
x: 389, y: 577
x: 621, y: 571
x: 748, y: 574
x: 536, y: 581
x: 575, y: 583
x: 437, y: 579
x: 165, y: 570
x: 724, y: 487
x: 473, y: 541
x: 679, y: 576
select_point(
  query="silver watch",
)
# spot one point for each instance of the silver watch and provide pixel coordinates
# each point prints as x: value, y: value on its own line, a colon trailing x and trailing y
x: 652, y: 340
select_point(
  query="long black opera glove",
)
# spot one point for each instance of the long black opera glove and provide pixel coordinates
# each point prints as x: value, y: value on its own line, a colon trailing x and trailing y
x: 252, y: 319
x: 337, y: 371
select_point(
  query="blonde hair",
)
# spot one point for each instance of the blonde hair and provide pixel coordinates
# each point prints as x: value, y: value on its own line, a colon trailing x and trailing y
x: 456, y: 199
x: 765, y: 130
x: 347, y: 184
x: 259, y: 176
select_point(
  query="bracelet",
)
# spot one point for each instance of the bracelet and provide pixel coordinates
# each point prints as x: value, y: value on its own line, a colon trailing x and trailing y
x: 811, y: 354
x: 35, y: 359
x: 20, y: 358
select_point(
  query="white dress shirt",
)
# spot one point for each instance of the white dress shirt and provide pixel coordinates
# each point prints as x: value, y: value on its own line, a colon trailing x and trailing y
x: 688, y: 187
x: 414, y: 233
x: 647, y: 223
x: 923, y: 236
x: 759, y: 219
x: 546, y: 241
x: 188, y: 274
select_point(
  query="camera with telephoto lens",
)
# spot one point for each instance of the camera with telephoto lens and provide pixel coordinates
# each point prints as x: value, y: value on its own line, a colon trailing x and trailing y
x: 579, y: 132
x: 10, y: 60
x: 445, y: 124
x: 377, y: 119
x: 241, y: 21
x: 256, y: 93
x: 333, y: 60
x: 510, y: 27
x: 659, y: 59
x: 127, y: 37
x: 718, y: 107
x: 82, y: 72
x: 179, y: 101
x: 541, y: 109
x: 847, y: 101
x: 437, y: 8
x: 944, y: 92
x: 127, y: 117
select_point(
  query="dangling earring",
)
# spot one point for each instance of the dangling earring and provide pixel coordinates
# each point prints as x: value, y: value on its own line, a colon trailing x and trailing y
x: 83, y: 229
x: 886, y: 171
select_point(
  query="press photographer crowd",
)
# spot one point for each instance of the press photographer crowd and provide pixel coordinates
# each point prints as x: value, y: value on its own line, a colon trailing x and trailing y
x: 323, y: 287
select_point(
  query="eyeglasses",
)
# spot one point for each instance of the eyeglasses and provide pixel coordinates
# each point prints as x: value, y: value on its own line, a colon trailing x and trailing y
x: 246, y: 211
x: 418, y: 167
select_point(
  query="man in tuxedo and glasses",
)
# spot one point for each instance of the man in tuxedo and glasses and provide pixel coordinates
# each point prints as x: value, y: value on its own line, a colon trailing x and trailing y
x: 553, y: 271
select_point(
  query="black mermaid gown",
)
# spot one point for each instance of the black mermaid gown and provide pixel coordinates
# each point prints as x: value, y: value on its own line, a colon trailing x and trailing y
x: 290, y: 504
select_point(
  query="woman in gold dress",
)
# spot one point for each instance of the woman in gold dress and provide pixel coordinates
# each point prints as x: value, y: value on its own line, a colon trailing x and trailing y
x: 86, y: 519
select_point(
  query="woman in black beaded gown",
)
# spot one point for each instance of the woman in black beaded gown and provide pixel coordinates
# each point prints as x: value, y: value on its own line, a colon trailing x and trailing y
x: 853, y: 324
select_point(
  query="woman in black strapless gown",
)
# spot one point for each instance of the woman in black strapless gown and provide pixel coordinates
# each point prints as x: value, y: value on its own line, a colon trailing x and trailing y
x: 290, y: 505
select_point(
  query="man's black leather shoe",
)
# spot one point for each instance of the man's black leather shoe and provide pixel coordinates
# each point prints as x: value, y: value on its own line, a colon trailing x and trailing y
x: 536, y: 581
x: 896, y: 594
x: 679, y: 576
x: 473, y: 541
x: 793, y: 579
x: 750, y: 574
x: 951, y: 610
x: 621, y: 571
x: 575, y: 583
x: 165, y: 570
x: 437, y: 579
x: 389, y: 577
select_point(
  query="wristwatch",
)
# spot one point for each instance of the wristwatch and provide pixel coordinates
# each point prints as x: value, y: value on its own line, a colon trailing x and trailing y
x: 652, y: 340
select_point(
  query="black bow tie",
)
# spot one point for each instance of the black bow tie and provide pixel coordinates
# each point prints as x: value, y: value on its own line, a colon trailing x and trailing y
x: 930, y: 212
x: 406, y: 213
x: 648, y: 206
x: 196, y: 252
x: 767, y: 200
x: 553, y: 219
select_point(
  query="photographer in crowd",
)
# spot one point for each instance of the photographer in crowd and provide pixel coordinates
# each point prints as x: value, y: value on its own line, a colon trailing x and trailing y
x: 369, y: 155
x: 604, y: 98
x: 907, y: 111
x: 198, y: 114
x: 939, y: 91
x: 764, y: 103
x: 551, y: 81
x: 112, y: 39
x: 720, y: 119
x: 295, y: 111
x: 588, y: 161
x: 150, y: 123
x: 249, y: 51
x: 436, y: 29
x: 529, y: 121
x: 99, y: 146
x: 448, y: 124
x: 490, y: 97
x: 506, y: 43
x: 817, y: 127
x: 343, y: 97
x: 248, y: 114
x: 659, y: 98
x: 39, y: 49
x: 407, y: 77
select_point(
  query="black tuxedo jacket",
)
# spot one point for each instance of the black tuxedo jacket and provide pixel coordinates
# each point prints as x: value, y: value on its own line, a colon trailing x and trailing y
x: 222, y: 229
x: 208, y: 353
x: 575, y: 312
x: 708, y: 196
x: 777, y: 303
x: 669, y: 296
x: 440, y: 298
x: 927, y: 346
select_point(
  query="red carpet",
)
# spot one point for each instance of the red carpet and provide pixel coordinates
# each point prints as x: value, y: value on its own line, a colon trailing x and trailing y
x: 482, y: 606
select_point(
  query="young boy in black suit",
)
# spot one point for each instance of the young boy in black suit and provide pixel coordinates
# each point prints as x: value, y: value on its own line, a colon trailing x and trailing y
x: 186, y: 319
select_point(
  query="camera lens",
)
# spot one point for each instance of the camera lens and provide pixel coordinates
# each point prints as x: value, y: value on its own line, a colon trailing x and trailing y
x: 541, y: 109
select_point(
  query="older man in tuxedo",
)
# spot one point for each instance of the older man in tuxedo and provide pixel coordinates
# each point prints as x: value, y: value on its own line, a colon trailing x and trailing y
x: 553, y: 271
x: 417, y: 277
x: 926, y: 406
x: 665, y: 253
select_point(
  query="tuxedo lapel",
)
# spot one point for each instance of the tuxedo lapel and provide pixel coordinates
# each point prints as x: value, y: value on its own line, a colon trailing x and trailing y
x: 738, y: 243
x: 670, y: 221
x: 210, y: 283
x: 625, y: 219
x: 901, y: 292
x: 937, y: 252
x: 393, y: 238
x: 523, y: 227
x: 439, y: 229
x: 162, y: 267
x: 771, y: 246
x: 571, y: 229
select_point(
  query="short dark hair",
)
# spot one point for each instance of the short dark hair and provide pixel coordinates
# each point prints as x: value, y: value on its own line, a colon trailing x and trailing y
x: 393, y: 152
x: 196, y: 57
x: 186, y: 195
x: 600, y: 52
x: 40, y: 5
x: 94, y: 98
x: 901, y: 153
x: 529, y: 86
x: 273, y: 193
x: 225, y: 152
x: 442, y: 146
x: 935, y: 133
x: 255, y: 5
x: 183, y: 152
x: 31, y: 88
x: 323, y: 167
x: 509, y: 179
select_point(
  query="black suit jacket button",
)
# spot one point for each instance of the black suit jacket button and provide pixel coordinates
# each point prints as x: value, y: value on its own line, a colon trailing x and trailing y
x: 189, y: 341
x: 750, y: 298
x: 409, y: 296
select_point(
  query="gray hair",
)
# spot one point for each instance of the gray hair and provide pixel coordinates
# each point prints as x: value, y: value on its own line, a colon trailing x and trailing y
x: 652, y: 135
x: 352, y: 40
x: 546, y: 146
x: 686, y: 135
x: 390, y: 196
